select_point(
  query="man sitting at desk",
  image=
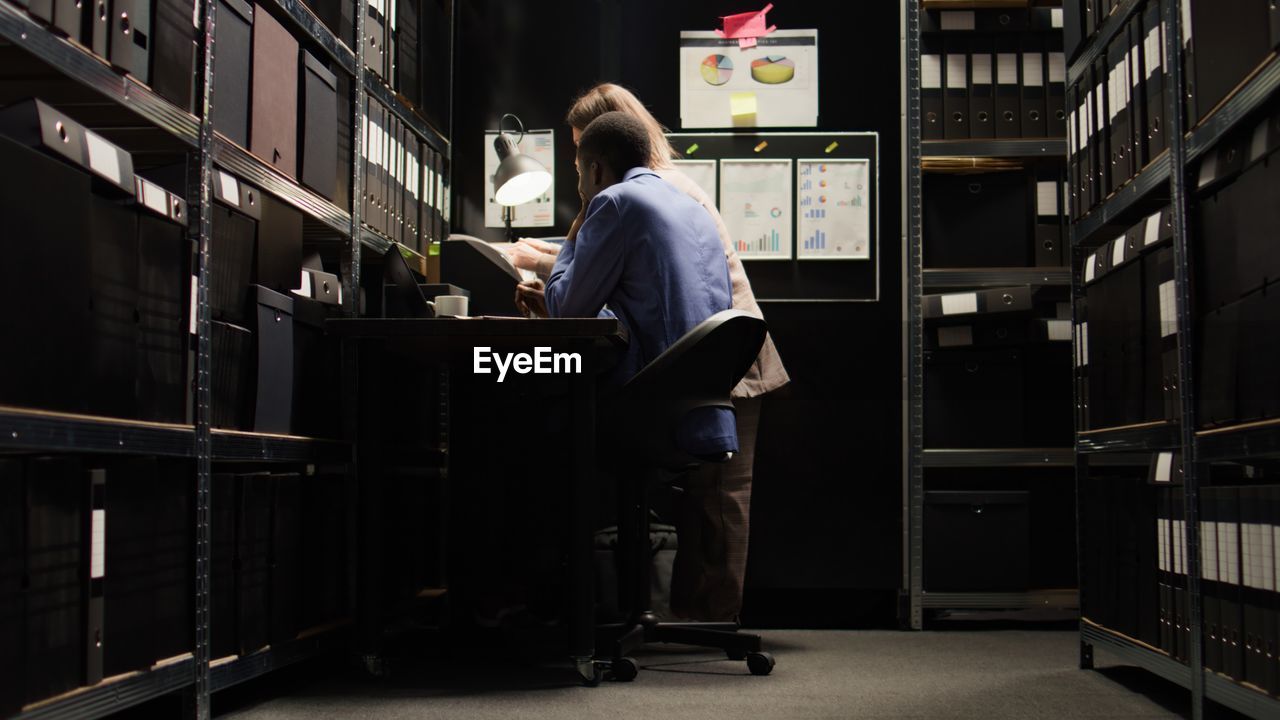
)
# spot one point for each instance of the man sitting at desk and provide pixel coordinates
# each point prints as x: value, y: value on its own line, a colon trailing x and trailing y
x: 646, y: 250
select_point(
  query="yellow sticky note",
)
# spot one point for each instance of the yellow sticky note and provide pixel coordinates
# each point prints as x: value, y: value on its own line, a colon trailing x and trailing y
x: 742, y: 103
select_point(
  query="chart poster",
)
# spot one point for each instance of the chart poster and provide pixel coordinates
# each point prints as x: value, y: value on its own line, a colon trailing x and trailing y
x: 755, y: 202
x: 833, y: 209
x: 539, y: 212
x: 702, y: 172
x: 774, y: 84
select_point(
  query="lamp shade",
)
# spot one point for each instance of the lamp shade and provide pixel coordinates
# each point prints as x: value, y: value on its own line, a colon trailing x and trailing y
x: 519, y: 178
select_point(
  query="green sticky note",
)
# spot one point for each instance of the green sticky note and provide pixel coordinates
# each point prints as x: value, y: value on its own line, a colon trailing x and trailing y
x: 832, y: 146
x: 691, y: 149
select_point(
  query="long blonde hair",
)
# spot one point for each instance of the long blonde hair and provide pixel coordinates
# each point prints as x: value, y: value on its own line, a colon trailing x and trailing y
x: 607, y: 97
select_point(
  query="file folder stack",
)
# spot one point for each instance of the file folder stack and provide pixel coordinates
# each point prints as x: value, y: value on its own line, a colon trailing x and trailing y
x: 402, y: 179
x: 1127, y: 349
x: 1122, y: 554
x: 993, y: 74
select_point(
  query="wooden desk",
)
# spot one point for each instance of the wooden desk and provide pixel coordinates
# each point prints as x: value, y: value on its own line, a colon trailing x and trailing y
x: 448, y: 343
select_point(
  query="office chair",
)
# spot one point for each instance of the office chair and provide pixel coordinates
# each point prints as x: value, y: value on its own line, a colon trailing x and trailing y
x: 638, y: 430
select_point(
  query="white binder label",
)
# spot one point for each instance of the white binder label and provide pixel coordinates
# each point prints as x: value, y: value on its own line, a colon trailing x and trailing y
x: 1007, y: 68
x: 1162, y: 542
x: 957, y: 72
x: 103, y: 158
x: 1047, y: 198
x: 1164, y: 467
x: 981, y: 69
x: 1059, y: 330
x: 1117, y: 252
x: 931, y: 72
x: 1033, y: 70
x: 1179, y: 533
x: 1057, y: 68
x: 1152, y: 231
x: 1084, y: 344
x: 1135, y: 67
x: 1098, y: 108
x: 98, y: 545
x: 230, y: 188
x: 1168, y: 310
x: 1151, y: 51
x: 1055, y: 17
x: 1227, y: 570
x: 1185, y: 7
x: 959, y: 303
x: 957, y: 20
x: 1089, y: 264
x: 958, y: 336
x: 1209, y: 550
x: 191, y: 310
x: 154, y: 197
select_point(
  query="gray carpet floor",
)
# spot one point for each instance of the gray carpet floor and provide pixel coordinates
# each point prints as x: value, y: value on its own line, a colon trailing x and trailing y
x: 820, y: 674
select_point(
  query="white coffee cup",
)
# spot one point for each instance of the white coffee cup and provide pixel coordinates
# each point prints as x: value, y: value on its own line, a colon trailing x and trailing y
x: 450, y: 305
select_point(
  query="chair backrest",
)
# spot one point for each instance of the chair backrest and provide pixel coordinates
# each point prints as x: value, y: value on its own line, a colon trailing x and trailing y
x: 699, y: 370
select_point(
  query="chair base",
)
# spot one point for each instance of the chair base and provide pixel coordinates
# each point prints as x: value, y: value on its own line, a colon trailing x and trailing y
x: 624, y: 639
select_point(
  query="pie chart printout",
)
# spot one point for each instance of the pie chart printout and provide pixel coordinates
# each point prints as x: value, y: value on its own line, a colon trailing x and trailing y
x: 772, y: 69
x: 717, y: 69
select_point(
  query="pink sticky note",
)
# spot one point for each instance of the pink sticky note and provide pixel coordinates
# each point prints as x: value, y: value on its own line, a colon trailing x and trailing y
x: 746, y: 42
x: 746, y: 25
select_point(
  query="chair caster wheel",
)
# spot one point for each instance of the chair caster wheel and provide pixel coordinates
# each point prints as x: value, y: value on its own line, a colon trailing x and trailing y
x: 735, y: 655
x: 590, y: 672
x: 624, y: 669
x: 760, y: 663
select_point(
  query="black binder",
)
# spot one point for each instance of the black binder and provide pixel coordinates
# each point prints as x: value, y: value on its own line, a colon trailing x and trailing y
x: 955, y: 97
x: 1153, y: 71
x: 253, y: 565
x: 319, y: 121
x: 13, y: 543
x: 1118, y: 132
x: 1033, y: 87
x: 173, y: 53
x: 1073, y: 30
x: 982, y: 123
x: 130, y: 32
x: 1231, y: 608
x: 931, y: 82
x: 407, y: 80
x: 1137, y: 97
x: 1256, y: 586
x: 70, y: 16
x: 1056, y: 87
x: 234, y: 38
x: 1102, y: 132
x: 1008, y: 93
x: 1210, y: 582
x: 286, y: 557
x: 224, y: 640
x: 375, y: 36
x: 128, y: 641
x: 57, y: 577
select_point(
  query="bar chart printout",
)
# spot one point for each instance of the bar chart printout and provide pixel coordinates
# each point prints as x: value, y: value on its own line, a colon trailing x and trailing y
x: 755, y: 202
x: 833, y: 209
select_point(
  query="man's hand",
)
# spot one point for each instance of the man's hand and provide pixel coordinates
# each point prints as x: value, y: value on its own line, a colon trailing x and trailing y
x: 531, y: 298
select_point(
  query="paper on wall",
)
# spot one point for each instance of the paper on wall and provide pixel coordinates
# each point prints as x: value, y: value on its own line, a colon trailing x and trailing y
x: 755, y: 203
x: 702, y: 172
x: 781, y: 71
x: 833, y: 209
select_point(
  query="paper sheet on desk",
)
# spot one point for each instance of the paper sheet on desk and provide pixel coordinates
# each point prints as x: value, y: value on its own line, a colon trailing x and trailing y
x: 505, y: 249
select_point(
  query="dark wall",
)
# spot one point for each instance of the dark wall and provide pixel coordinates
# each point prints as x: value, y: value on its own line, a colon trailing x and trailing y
x: 827, y: 502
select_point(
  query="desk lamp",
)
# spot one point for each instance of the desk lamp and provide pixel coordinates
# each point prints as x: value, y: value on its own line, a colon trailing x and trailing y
x: 519, y: 178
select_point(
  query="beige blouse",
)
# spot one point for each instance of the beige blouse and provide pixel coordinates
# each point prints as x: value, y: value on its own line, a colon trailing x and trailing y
x: 767, y: 373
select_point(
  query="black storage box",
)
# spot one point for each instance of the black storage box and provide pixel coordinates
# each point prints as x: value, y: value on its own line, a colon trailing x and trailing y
x: 273, y: 343
x: 164, y: 301
x: 316, y: 374
x: 110, y: 350
x: 273, y: 114
x: 224, y: 640
x: 231, y: 253
x: 976, y: 541
x: 172, y: 573
x: 129, y: 602
x: 325, y: 582
x: 278, y: 263
x: 253, y: 556
x: 173, y: 53
x: 977, y: 220
x: 234, y: 40
x: 286, y: 558
x: 13, y: 543
x: 319, y: 132
x: 130, y: 37
x: 974, y: 398
x: 57, y: 577
x: 338, y: 16
x: 232, y: 378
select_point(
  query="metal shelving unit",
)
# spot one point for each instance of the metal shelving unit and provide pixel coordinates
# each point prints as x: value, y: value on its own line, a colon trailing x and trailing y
x: 941, y: 278
x: 115, y: 694
x: 917, y: 280
x: 1167, y: 177
x: 1002, y: 148
x: 33, y: 430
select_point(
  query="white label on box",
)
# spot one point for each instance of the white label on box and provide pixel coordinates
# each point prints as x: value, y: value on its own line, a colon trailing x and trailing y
x: 1055, y: 17
x: 304, y: 286
x: 1162, y: 543
x: 1228, y: 554
x: 1151, y: 234
x: 1151, y: 52
x: 1208, y: 170
x: 1089, y: 264
x: 1117, y: 252
x: 958, y: 336
x: 1168, y: 310
x: 1135, y: 69
x: 1058, y: 330
x: 1032, y: 70
x: 1164, y: 467
x: 1057, y: 68
x: 960, y: 304
x: 229, y: 187
x: 191, y: 311
x: 1084, y: 344
x: 154, y: 197
x: 1099, y: 108
x: 1086, y: 120
x: 1209, y: 550
x: 931, y: 72
x: 104, y: 158
x: 98, y: 545
x: 981, y: 69
x: 957, y: 20
x: 1007, y: 68
x: 1185, y: 7
x: 1047, y: 198
x: 957, y: 71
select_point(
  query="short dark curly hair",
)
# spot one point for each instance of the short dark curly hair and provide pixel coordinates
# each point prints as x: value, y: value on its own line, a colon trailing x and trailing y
x: 616, y: 140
